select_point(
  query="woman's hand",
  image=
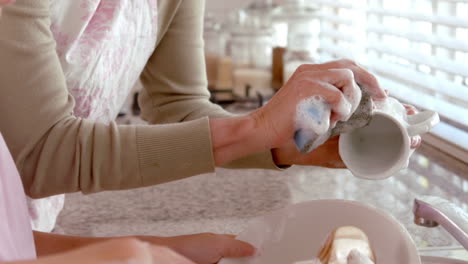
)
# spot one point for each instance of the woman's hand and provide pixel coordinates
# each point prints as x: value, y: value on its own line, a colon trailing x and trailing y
x: 339, y: 79
x: 274, y: 125
x: 200, y: 248
x: 335, y: 87
x: 362, y: 77
x: 327, y: 155
x: 116, y: 251
x: 205, y: 248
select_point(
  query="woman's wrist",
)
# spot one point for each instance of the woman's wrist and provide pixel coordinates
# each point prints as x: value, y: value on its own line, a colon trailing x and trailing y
x: 235, y: 137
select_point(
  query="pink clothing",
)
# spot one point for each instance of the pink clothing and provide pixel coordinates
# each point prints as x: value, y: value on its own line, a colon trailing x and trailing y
x: 16, y: 238
x: 103, y: 46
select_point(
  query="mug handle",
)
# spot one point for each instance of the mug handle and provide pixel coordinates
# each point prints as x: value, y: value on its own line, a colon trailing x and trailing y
x: 422, y: 122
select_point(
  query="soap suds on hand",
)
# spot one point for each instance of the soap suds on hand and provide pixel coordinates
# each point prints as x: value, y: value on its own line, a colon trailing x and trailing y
x: 354, y: 95
x: 313, y: 114
x: 312, y: 123
x: 360, y: 118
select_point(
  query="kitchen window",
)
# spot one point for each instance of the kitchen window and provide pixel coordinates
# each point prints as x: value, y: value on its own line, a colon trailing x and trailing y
x: 417, y: 48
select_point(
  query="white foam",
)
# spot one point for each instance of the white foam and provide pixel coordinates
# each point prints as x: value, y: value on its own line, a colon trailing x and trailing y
x: 346, y: 251
x: 355, y: 257
x: 314, y: 261
x: 313, y: 115
x: 353, y: 95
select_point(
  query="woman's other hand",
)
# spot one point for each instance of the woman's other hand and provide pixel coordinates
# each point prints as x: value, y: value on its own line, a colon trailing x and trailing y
x: 117, y: 251
x: 200, y: 248
x: 206, y: 248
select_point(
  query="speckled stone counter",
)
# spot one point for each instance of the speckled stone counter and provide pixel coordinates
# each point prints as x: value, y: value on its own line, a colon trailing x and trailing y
x: 225, y: 201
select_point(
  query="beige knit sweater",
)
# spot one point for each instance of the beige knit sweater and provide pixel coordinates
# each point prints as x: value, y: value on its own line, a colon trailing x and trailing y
x: 57, y: 152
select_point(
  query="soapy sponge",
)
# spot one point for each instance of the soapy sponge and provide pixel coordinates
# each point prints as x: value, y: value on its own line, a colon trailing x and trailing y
x: 310, y: 135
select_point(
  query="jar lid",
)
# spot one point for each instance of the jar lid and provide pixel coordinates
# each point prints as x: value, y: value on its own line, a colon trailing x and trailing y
x: 294, y: 10
x: 212, y: 23
x: 246, y: 22
x: 251, y: 32
x: 261, y: 7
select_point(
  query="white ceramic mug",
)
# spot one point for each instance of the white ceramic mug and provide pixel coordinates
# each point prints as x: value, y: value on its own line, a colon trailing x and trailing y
x: 382, y: 148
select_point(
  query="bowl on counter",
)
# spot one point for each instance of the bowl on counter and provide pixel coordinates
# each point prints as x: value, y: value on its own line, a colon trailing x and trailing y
x: 298, y: 232
x: 438, y: 260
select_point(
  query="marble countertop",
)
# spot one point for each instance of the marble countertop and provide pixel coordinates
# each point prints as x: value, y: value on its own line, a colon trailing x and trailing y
x: 225, y: 201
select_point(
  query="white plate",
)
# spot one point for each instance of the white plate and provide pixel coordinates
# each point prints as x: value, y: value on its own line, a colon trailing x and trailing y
x: 437, y: 260
x: 297, y: 233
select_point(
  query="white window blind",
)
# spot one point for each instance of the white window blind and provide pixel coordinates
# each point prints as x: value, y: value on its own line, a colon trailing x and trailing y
x: 417, y: 48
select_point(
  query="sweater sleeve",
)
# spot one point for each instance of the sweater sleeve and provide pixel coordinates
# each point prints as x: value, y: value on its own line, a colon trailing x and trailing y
x: 174, y: 80
x: 57, y: 152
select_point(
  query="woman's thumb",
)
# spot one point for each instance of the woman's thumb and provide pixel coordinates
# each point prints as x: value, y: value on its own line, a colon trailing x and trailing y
x: 233, y: 248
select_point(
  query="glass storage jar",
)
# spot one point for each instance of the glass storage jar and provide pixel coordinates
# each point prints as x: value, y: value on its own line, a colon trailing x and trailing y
x: 215, y: 48
x: 297, y: 25
x: 250, y: 48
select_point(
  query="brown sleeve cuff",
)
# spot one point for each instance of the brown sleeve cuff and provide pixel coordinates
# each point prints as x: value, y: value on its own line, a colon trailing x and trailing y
x: 262, y: 160
x: 174, y: 151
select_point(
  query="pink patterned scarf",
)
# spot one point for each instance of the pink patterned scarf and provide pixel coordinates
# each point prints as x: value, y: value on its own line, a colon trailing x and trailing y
x: 103, y: 46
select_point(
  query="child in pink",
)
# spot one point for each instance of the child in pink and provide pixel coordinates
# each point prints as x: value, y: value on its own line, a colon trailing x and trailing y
x: 16, y: 236
x: 16, y: 239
